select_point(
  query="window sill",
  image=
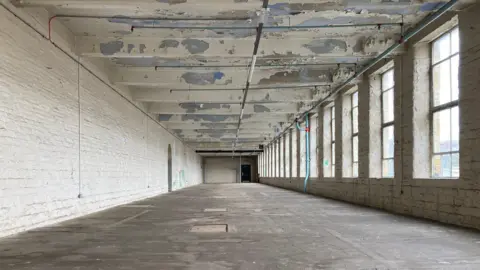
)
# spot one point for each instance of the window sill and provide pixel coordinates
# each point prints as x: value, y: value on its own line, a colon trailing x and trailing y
x: 436, y: 182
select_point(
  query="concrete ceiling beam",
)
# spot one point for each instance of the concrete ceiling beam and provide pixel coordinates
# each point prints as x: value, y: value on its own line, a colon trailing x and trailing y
x: 225, y: 109
x: 260, y: 127
x: 228, y: 138
x: 348, y: 44
x: 227, y: 79
x: 243, y: 133
x: 286, y: 95
x: 221, y: 119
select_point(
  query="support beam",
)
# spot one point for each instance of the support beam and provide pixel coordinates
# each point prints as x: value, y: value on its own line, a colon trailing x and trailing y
x: 358, y: 45
x: 286, y: 95
x: 244, y: 133
x: 226, y: 79
x: 219, y: 119
x: 225, y: 109
x: 261, y: 127
x: 228, y: 138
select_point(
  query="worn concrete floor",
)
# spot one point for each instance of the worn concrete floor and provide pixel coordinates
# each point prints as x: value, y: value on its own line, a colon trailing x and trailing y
x: 268, y: 228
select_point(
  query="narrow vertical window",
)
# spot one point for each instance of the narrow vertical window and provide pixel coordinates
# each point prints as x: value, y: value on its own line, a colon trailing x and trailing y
x: 354, y: 97
x: 332, y: 144
x: 444, y: 106
x: 388, y: 117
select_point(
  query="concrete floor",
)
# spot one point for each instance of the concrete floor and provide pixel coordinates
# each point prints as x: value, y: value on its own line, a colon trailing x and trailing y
x: 268, y: 228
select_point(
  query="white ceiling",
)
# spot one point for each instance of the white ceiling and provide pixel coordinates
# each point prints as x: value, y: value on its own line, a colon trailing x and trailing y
x: 193, y: 79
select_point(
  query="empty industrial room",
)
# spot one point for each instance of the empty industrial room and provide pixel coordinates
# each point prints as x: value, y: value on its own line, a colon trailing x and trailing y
x: 251, y: 134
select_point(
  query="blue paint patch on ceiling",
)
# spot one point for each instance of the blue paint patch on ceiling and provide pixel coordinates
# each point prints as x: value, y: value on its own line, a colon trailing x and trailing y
x: 199, y: 78
x: 431, y: 6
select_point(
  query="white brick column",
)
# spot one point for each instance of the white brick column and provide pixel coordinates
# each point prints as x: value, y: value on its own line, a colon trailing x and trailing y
x: 469, y: 100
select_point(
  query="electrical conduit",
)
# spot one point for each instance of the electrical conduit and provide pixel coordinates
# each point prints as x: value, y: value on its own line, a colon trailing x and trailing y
x: 307, y: 152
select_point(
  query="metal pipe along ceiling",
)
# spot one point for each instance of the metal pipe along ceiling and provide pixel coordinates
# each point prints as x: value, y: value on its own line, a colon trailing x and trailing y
x: 419, y: 27
x: 252, y: 68
x: 280, y: 27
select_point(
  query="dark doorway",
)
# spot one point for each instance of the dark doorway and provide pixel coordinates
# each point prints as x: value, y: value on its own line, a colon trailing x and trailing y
x: 246, y: 173
x: 169, y: 168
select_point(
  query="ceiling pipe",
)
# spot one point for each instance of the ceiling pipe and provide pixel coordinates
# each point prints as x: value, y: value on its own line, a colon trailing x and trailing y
x: 247, y: 66
x: 252, y: 67
x: 254, y: 88
x: 412, y: 32
x: 280, y: 27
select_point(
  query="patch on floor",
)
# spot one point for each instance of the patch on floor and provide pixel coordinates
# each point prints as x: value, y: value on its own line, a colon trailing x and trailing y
x: 211, y: 228
x: 215, y: 210
x: 137, y: 206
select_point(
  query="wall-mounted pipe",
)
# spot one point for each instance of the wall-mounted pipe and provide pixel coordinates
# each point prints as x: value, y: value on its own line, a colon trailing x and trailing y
x: 419, y: 27
x: 307, y: 151
x: 280, y: 27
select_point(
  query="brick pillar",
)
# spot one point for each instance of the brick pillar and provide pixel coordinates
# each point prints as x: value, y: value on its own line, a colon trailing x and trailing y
x: 469, y: 100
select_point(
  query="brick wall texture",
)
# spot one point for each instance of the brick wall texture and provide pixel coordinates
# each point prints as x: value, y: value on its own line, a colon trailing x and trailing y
x: 70, y: 145
x: 453, y: 201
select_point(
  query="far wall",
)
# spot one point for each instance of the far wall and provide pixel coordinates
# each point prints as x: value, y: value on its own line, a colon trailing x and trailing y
x: 227, y: 169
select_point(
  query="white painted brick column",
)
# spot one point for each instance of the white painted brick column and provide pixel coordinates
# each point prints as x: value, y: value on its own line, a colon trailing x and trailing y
x: 469, y: 100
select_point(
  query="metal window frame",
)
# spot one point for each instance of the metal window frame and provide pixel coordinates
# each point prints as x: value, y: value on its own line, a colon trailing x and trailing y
x: 439, y: 108
x: 354, y: 134
x: 387, y: 124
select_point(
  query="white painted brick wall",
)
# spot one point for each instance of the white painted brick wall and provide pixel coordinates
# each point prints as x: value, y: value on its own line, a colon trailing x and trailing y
x: 122, y: 154
x: 454, y: 201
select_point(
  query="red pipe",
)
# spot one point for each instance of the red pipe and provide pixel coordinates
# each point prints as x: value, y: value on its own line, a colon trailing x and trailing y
x: 50, y: 27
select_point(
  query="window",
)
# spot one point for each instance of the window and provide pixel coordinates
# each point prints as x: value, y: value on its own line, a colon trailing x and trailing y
x: 388, y: 117
x: 332, y: 143
x: 282, y: 156
x: 303, y: 158
x: 294, y: 133
x: 444, y: 106
x: 354, y: 97
x: 287, y: 154
x: 313, y: 146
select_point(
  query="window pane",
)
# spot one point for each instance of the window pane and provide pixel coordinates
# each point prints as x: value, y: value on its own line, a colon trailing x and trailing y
x: 442, y: 165
x: 355, y: 99
x: 387, y: 80
x: 455, y: 165
x: 441, y: 48
x: 333, y: 130
x: 455, y: 41
x: 333, y: 153
x: 333, y: 170
x: 355, y: 148
x: 455, y: 66
x: 332, y: 116
x: 388, y: 170
x: 388, y: 111
x: 355, y: 170
x: 388, y: 142
x: 441, y: 131
x: 355, y: 120
x: 455, y: 129
x: 441, y: 83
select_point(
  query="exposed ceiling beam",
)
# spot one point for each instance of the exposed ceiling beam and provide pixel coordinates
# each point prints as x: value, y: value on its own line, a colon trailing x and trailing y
x: 358, y: 45
x: 227, y: 79
x: 225, y: 109
x: 259, y: 127
x: 218, y: 96
x: 245, y: 133
x: 218, y: 119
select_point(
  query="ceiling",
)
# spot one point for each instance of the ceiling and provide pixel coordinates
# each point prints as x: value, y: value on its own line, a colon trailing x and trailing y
x: 188, y: 60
